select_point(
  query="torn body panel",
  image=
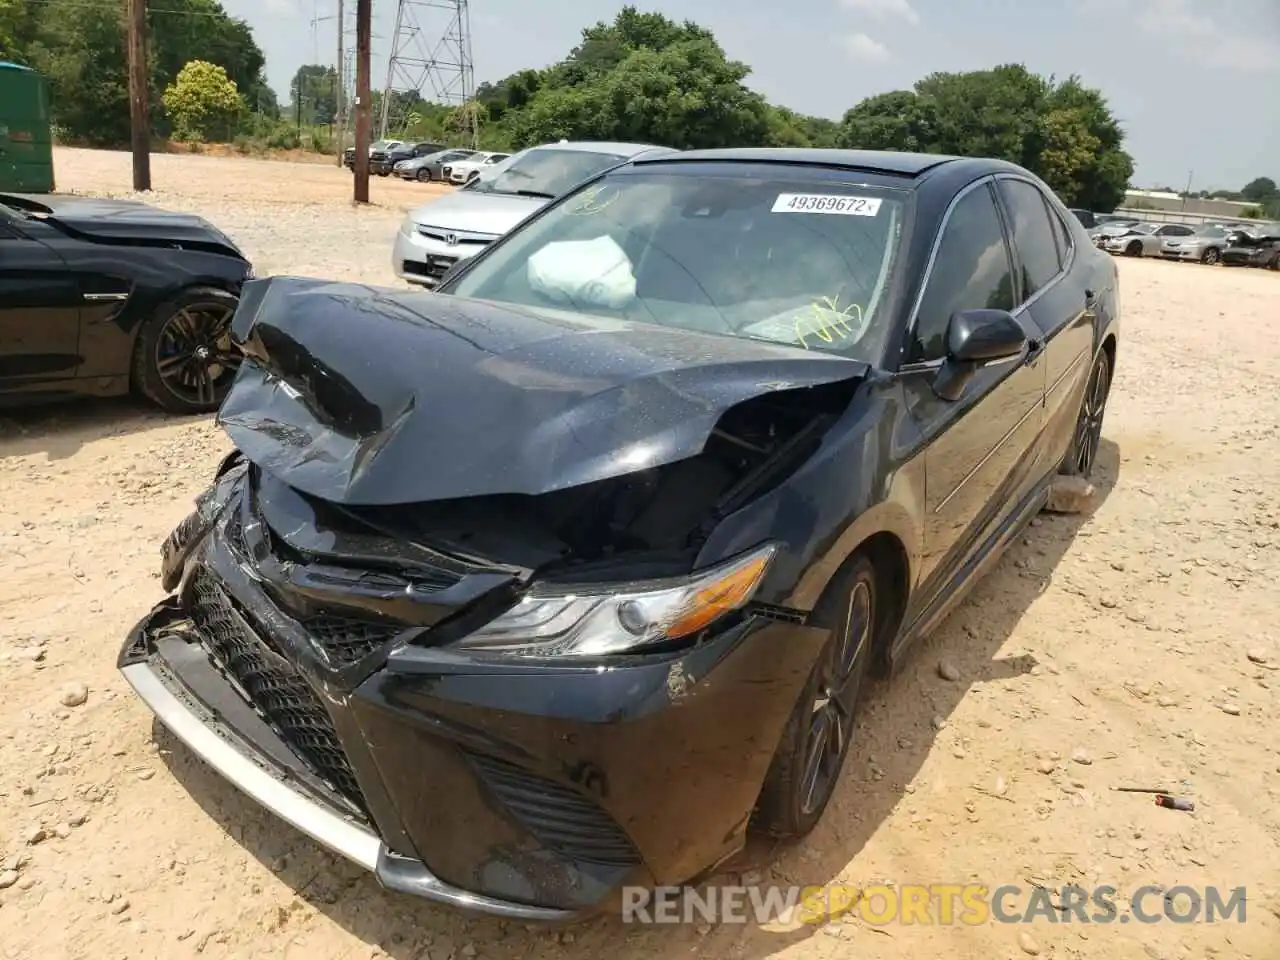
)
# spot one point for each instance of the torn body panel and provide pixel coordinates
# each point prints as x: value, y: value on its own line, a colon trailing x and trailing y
x: 368, y: 397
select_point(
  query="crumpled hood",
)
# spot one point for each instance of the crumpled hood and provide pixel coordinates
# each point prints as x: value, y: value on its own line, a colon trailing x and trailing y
x: 471, y: 212
x: 122, y: 220
x: 368, y: 396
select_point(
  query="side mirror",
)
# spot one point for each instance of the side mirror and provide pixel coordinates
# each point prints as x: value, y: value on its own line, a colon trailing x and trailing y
x: 977, y: 338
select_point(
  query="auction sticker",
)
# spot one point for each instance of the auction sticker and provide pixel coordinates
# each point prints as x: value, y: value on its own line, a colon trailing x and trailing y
x: 827, y: 203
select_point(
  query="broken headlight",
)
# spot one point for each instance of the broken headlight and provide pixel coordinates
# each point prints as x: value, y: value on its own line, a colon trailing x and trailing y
x: 599, y: 619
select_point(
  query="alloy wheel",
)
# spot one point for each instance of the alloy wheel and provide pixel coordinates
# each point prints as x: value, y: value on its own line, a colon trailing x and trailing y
x: 1089, y: 424
x: 194, y: 356
x: 1211, y: 256
x: 831, y: 719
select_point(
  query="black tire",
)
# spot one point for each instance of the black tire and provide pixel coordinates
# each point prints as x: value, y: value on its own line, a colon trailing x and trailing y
x: 183, y: 360
x: 1134, y: 249
x: 1211, y: 257
x: 423, y: 175
x: 1082, y: 458
x: 1275, y: 263
x: 795, y: 791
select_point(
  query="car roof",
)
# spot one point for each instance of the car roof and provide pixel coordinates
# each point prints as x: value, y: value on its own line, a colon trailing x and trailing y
x: 872, y: 161
x: 600, y: 146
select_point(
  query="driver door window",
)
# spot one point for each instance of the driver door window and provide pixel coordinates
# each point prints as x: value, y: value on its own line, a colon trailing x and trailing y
x: 971, y: 271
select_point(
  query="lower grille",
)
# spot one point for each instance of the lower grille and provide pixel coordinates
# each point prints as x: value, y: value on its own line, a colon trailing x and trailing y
x: 435, y: 267
x: 273, y: 685
x: 559, y: 818
x: 345, y: 640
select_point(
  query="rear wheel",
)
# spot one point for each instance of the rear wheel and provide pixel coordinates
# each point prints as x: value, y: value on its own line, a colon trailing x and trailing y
x: 1083, y: 455
x: 1211, y: 256
x: 806, y: 767
x: 423, y: 175
x: 183, y: 359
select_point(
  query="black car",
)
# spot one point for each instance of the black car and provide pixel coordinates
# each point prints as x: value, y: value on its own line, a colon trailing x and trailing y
x: 1267, y: 254
x: 382, y: 162
x: 1252, y: 247
x: 98, y: 297
x: 566, y: 577
x: 1086, y: 217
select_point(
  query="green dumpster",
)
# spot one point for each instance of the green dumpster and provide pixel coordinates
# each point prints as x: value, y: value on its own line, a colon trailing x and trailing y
x: 26, y: 137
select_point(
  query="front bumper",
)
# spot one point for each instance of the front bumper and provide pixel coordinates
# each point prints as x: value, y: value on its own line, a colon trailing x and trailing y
x: 533, y: 791
x: 426, y: 255
x: 187, y: 694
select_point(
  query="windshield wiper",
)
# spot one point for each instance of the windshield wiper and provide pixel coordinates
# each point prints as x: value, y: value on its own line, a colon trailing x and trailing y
x: 532, y: 193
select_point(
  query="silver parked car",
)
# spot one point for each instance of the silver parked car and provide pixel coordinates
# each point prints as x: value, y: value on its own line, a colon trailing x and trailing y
x: 1145, y: 239
x: 1204, y: 246
x: 460, y: 224
x: 429, y: 167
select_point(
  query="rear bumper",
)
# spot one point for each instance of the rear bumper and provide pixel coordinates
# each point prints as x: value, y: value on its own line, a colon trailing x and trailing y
x: 174, y: 678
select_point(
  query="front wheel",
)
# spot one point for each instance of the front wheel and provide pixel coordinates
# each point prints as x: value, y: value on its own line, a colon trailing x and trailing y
x: 1211, y: 256
x: 806, y: 767
x: 183, y: 359
x: 423, y: 175
x: 1083, y: 455
x: 1134, y: 249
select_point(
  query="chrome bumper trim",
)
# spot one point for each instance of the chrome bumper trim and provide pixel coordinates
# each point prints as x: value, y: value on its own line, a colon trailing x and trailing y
x: 400, y: 874
x: 322, y: 825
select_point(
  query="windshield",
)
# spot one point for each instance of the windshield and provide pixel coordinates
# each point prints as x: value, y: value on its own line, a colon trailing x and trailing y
x: 792, y: 261
x: 547, y: 173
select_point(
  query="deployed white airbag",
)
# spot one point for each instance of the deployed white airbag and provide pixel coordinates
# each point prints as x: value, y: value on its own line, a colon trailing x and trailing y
x: 583, y: 271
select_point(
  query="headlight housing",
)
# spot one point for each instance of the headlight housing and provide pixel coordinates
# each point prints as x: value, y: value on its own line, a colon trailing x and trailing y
x: 408, y: 227
x: 593, y: 620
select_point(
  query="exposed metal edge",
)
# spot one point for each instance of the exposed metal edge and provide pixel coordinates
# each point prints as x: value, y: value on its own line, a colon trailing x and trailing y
x: 412, y: 877
x: 322, y: 825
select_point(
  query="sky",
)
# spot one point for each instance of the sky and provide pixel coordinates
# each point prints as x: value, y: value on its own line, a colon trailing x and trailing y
x: 1196, y: 85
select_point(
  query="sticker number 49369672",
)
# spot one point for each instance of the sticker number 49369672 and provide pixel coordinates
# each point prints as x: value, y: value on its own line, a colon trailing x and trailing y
x: 826, y: 203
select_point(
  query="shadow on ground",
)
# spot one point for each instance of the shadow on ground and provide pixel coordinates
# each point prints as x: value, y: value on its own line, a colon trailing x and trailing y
x: 59, y: 430
x: 897, y: 732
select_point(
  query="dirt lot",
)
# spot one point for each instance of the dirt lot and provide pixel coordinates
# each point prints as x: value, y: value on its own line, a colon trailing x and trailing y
x: 1138, y: 646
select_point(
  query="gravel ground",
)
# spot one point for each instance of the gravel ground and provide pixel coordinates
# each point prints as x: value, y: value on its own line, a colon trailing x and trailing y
x: 1139, y: 645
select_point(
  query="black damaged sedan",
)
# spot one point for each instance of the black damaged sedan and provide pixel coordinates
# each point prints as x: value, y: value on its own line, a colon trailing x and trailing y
x: 566, y: 576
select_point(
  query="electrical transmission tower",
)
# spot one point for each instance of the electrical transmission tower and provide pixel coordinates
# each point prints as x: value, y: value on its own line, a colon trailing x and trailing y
x: 431, y: 56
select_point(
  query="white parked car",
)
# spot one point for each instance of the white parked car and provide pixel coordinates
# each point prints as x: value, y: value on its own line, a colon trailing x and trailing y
x: 461, y: 223
x: 464, y: 171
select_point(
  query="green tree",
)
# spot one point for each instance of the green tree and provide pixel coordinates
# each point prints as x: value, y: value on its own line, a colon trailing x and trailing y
x: 1260, y: 189
x: 1064, y: 132
x: 79, y: 47
x: 202, y: 101
x: 313, y: 93
x: 899, y: 120
x: 646, y: 79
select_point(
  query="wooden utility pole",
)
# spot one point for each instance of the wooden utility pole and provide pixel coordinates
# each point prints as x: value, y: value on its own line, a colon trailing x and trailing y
x: 342, y: 86
x: 139, y: 113
x: 364, y: 34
